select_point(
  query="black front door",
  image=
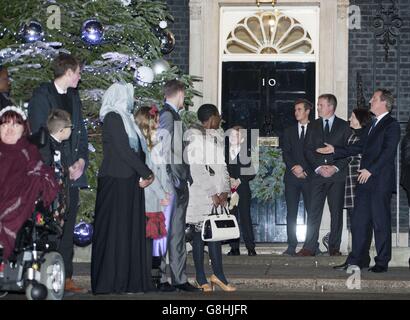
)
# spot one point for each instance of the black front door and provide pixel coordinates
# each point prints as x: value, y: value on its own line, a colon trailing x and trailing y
x: 261, y: 95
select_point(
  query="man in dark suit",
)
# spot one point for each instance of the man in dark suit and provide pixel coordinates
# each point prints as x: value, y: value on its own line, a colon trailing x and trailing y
x: 377, y: 181
x: 328, y: 180
x: 62, y: 94
x: 405, y: 162
x: 170, y: 135
x: 4, y: 88
x: 238, y: 160
x: 298, y: 172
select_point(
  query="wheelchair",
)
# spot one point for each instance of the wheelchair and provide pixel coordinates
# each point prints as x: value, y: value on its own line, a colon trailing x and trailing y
x: 35, y: 267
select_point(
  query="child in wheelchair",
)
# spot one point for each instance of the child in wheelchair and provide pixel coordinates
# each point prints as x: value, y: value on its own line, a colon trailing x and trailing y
x: 33, y: 265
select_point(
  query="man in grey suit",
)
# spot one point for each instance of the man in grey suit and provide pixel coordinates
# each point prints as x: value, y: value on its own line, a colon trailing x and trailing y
x: 170, y: 136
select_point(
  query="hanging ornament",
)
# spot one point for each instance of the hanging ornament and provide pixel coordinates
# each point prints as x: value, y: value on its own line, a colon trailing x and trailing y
x: 166, y: 39
x: 92, y: 32
x: 32, y: 32
x: 83, y: 234
x: 144, y: 75
x: 163, y: 24
x: 126, y: 3
x: 2, y: 31
x: 159, y: 66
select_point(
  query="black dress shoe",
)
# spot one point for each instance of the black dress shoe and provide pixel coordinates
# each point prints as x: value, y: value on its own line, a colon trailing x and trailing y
x: 345, y: 266
x: 187, y: 287
x: 251, y: 252
x: 289, y: 252
x: 166, y: 287
x: 234, y: 252
x: 342, y: 267
x: 378, y: 269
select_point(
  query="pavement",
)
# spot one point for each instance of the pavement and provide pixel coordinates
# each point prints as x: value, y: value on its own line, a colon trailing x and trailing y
x: 276, y: 273
x: 271, y: 276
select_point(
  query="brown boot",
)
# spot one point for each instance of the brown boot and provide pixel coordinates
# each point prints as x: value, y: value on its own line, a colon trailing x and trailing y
x: 71, y: 287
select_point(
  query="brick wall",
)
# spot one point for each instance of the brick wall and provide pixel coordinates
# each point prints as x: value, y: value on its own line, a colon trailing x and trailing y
x: 179, y: 9
x: 367, y: 56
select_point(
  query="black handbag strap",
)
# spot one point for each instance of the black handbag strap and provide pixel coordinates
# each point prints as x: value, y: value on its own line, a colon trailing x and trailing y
x: 214, y: 211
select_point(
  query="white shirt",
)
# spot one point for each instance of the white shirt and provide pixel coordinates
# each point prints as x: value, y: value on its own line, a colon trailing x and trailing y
x: 331, y: 120
x: 59, y: 89
x: 172, y: 106
x: 380, y: 117
x: 300, y: 128
x: 234, y: 151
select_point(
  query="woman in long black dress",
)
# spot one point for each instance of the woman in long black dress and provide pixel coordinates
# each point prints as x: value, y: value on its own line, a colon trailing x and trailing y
x: 120, y: 262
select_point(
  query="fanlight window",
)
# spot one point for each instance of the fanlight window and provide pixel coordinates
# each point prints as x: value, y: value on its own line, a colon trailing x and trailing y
x: 269, y: 33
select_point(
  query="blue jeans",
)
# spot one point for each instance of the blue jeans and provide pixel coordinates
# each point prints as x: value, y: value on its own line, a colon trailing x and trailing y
x: 215, y: 253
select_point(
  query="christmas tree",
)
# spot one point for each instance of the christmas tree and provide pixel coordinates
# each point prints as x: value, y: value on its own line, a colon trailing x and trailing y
x: 116, y: 40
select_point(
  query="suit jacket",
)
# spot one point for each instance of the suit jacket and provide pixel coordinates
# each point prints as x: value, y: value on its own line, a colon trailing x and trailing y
x: 378, y: 151
x: 240, y: 169
x: 293, y: 154
x: 119, y: 160
x: 173, y: 150
x: 338, y: 136
x: 405, y: 162
x: 46, y: 98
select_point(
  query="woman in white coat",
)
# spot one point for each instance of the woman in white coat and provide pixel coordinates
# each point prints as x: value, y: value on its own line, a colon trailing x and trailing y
x: 205, y: 154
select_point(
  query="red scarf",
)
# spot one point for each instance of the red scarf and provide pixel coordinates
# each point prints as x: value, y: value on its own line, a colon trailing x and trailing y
x: 155, y: 227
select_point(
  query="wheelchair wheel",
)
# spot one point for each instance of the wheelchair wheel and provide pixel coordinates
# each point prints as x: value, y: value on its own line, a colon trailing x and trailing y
x: 36, y: 292
x: 53, y: 275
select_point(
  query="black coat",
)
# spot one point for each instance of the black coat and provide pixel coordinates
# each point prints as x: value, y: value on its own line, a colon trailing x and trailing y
x: 120, y: 161
x: 44, y: 99
x: 238, y: 168
x: 378, y: 151
x: 405, y: 162
x: 293, y: 153
x: 339, y: 135
x: 4, y: 101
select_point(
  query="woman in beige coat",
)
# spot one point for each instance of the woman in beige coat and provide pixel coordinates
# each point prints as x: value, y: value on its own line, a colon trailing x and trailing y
x: 205, y: 154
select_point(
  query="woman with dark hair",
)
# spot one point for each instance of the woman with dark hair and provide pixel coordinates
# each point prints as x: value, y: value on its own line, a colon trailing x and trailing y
x: 359, y: 119
x: 210, y: 188
x: 23, y: 177
x: 405, y: 162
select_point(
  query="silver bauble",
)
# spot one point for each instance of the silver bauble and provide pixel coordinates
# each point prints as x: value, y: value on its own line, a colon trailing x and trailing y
x: 159, y: 66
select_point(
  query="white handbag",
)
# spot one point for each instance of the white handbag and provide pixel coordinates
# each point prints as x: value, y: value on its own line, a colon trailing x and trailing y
x: 220, y: 227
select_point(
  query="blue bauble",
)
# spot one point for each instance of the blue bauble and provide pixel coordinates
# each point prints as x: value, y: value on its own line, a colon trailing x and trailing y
x: 92, y: 32
x: 83, y: 234
x: 32, y: 32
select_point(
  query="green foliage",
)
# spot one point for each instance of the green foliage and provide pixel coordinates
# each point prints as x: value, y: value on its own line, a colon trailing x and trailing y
x: 189, y: 118
x: 268, y: 183
x: 128, y: 30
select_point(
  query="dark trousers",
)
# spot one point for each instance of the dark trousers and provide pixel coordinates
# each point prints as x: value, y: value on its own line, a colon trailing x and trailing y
x: 334, y: 191
x: 66, y: 247
x: 243, y: 214
x: 293, y: 190
x: 371, y: 213
x: 215, y: 253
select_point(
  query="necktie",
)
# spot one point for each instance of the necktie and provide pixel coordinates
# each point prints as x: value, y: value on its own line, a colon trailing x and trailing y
x: 373, y: 124
x: 327, y: 130
x: 302, y: 134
